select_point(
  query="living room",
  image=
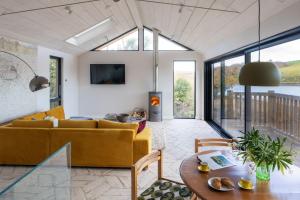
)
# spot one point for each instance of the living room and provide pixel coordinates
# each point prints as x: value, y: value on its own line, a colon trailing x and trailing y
x: 93, y: 92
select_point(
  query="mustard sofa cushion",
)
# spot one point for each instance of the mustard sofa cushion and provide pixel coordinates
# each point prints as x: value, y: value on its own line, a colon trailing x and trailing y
x: 57, y: 112
x: 77, y: 124
x: 32, y: 123
x: 24, y: 146
x: 96, y: 147
x: 36, y: 116
x: 117, y: 125
x: 142, y: 144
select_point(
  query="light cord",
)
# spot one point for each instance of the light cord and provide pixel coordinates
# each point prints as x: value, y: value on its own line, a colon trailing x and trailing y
x: 259, y: 32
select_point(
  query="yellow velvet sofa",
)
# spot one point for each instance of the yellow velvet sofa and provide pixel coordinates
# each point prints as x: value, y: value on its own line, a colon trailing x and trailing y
x: 94, y: 143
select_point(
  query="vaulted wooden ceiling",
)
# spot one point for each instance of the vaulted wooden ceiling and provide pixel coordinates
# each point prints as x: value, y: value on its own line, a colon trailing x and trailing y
x: 196, y: 28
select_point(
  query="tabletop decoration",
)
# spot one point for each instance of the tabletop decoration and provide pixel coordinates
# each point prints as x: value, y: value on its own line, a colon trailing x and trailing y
x: 265, y: 152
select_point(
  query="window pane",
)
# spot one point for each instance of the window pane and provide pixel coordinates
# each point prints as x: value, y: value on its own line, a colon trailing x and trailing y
x: 163, y: 43
x: 276, y: 110
x: 129, y: 42
x: 233, y: 101
x: 216, y: 115
x: 53, y: 78
x: 184, y: 89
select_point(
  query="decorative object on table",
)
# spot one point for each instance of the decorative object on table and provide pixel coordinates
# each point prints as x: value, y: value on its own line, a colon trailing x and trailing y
x: 139, y: 113
x: 246, y: 184
x: 36, y: 83
x: 265, y: 152
x: 111, y: 116
x: 142, y: 126
x: 203, y: 167
x: 221, y: 183
x: 216, y: 160
x: 123, y: 117
x: 259, y: 73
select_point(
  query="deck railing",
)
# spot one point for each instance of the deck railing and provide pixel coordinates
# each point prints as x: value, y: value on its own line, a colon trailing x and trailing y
x: 278, y: 112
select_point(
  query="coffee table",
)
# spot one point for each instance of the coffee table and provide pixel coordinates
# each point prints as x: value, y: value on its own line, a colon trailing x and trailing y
x: 280, y: 186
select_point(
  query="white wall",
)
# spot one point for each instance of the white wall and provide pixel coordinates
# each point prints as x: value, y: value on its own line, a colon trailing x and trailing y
x: 98, y: 100
x: 16, y: 98
x: 69, y: 80
x: 283, y: 21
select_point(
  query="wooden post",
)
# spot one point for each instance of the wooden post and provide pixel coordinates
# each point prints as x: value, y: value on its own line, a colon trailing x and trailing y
x: 271, y: 102
x: 230, y: 108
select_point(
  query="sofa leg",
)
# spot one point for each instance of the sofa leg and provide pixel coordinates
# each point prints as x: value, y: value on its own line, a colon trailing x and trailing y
x: 145, y: 168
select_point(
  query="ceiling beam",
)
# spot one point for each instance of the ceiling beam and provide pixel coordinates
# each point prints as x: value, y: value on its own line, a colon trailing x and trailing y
x: 133, y: 8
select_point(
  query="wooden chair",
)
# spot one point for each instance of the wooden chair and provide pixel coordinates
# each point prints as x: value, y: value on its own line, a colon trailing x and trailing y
x: 214, y: 142
x: 162, y: 187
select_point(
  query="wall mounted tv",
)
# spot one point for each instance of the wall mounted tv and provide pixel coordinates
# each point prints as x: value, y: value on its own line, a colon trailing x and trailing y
x: 107, y: 73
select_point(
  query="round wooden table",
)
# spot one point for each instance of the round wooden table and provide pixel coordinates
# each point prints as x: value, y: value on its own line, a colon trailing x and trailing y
x: 280, y: 186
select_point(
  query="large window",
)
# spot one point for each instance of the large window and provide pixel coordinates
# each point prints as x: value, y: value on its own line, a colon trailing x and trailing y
x: 275, y: 111
x: 163, y: 42
x: 55, y: 82
x: 228, y: 95
x: 184, y: 89
x: 126, y: 42
x: 216, y: 91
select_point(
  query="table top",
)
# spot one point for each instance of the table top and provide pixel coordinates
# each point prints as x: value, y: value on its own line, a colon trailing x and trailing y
x: 280, y: 186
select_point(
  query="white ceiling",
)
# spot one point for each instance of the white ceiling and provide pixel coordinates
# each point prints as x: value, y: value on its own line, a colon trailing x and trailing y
x: 198, y: 29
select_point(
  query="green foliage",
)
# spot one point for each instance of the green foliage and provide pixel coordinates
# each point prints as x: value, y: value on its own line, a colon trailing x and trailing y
x: 264, y: 151
x: 183, y: 99
x: 131, y: 44
x: 291, y: 72
x: 53, y: 78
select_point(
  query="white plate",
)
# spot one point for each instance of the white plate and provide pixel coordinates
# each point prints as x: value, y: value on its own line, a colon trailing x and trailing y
x: 223, y: 189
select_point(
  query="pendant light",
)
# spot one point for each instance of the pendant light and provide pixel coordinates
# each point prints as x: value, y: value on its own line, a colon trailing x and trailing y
x: 259, y: 73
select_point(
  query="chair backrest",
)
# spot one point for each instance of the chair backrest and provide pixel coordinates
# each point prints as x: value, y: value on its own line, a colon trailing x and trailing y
x: 213, y: 142
x: 140, y: 165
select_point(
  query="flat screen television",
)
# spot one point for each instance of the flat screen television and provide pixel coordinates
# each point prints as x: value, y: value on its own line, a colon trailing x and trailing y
x: 107, y: 73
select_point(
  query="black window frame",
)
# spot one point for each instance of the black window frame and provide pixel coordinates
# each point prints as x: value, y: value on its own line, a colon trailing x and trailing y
x: 283, y: 37
x: 59, y: 83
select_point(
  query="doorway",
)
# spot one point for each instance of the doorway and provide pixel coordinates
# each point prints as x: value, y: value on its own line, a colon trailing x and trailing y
x: 55, y: 82
x: 184, y: 83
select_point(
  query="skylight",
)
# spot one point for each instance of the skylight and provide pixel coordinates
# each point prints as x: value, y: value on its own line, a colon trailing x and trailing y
x: 126, y: 42
x: 90, y: 33
x: 163, y: 43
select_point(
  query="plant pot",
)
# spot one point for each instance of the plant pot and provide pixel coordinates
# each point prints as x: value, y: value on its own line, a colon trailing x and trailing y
x: 263, y: 173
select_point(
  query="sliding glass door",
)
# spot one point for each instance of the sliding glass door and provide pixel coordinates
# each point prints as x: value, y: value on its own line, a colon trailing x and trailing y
x: 228, y: 95
x: 275, y: 111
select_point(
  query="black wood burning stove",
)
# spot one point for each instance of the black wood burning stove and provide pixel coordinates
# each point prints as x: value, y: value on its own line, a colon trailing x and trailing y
x: 155, y: 106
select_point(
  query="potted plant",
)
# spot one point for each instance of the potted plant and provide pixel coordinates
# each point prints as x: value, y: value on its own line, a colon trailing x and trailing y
x: 265, y: 152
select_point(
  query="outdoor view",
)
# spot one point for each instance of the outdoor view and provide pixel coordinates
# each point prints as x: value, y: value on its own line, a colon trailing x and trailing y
x: 129, y: 42
x: 163, y: 43
x: 274, y: 110
x: 184, y: 89
x: 54, y: 93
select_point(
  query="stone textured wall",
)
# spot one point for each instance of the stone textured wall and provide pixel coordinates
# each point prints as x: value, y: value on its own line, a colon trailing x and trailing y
x: 16, y: 99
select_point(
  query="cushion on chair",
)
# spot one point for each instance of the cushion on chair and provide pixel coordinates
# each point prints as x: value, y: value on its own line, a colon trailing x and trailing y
x: 57, y: 112
x: 163, y: 189
x: 33, y: 123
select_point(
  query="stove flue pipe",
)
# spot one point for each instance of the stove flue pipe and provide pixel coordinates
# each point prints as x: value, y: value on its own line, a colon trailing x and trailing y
x: 155, y: 58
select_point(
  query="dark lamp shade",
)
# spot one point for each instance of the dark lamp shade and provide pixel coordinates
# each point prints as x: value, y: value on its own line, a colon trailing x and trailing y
x: 38, y: 83
x: 260, y: 74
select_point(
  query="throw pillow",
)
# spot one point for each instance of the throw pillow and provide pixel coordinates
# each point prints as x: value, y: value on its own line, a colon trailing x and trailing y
x: 142, y: 125
x: 53, y: 119
x: 77, y: 124
x: 117, y: 125
x: 32, y: 123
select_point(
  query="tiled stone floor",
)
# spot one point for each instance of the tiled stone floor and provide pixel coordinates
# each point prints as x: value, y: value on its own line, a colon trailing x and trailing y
x: 114, y: 184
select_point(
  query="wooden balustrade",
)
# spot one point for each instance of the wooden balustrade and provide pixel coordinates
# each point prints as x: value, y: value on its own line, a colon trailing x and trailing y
x: 277, y: 112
